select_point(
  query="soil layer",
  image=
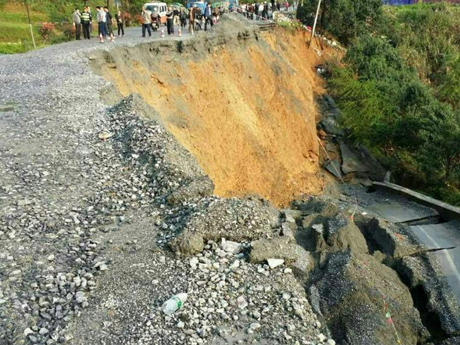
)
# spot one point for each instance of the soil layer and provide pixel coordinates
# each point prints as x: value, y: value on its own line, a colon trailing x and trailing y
x: 246, y: 111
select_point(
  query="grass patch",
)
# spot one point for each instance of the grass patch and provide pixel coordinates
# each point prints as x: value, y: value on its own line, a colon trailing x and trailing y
x: 15, y: 48
x: 21, y: 17
x: 14, y: 32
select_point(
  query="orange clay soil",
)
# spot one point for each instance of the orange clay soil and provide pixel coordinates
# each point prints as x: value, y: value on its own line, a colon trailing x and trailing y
x: 247, y: 113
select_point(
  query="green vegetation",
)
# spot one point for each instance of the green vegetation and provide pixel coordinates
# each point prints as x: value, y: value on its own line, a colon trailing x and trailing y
x: 399, y: 89
x: 345, y: 19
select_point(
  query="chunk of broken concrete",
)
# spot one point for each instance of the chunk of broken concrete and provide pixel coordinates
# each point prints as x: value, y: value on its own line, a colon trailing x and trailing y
x: 304, y: 263
x: 230, y: 246
x: 278, y: 247
x: 273, y: 263
x: 356, y: 287
x: 351, y: 162
x: 334, y: 168
x: 342, y: 233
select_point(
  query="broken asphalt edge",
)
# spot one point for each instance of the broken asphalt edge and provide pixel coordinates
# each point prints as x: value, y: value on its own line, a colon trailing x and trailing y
x: 446, y: 211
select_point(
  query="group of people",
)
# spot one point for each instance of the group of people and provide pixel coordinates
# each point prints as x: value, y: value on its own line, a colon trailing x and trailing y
x: 84, y: 20
x: 263, y: 9
x: 196, y: 19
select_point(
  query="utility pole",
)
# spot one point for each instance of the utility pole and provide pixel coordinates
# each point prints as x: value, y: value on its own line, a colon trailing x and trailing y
x: 314, y: 25
x: 30, y: 24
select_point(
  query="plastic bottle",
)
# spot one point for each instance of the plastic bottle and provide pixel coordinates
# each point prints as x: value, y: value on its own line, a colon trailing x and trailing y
x: 175, y: 303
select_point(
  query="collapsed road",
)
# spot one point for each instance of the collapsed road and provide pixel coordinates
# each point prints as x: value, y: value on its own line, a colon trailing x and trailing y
x: 439, y: 233
x: 112, y: 202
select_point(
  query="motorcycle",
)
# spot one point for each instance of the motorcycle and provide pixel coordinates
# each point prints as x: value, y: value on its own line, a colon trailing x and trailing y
x: 155, y: 23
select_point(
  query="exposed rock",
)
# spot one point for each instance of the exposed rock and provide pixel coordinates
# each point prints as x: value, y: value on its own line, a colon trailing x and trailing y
x: 273, y: 263
x: 232, y: 219
x: 334, y: 168
x: 376, y: 171
x: 342, y: 233
x: 230, y: 246
x: 331, y: 234
x: 350, y: 161
x: 390, y: 239
x: 330, y: 116
x: 322, y: 206
x: 450, y: 341
x: 277, y: 247
x: 431, y: 294
x: 354, y: 289
x: 304, y: 263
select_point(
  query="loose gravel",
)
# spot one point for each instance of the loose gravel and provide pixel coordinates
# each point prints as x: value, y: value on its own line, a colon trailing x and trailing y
x: 80, y: 182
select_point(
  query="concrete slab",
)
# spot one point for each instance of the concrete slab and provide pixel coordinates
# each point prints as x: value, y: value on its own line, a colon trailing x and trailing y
x: 397, y: 211
x: 350, y: 161
x: 334, y: 168
x: 444, y: 235
x: 447, y: 212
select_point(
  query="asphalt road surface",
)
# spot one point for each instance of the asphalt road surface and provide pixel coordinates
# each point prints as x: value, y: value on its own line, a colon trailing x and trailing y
x: 433, y: 236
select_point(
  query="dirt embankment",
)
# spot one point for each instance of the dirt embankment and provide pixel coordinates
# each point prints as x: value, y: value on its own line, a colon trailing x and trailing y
x: 243, y: 105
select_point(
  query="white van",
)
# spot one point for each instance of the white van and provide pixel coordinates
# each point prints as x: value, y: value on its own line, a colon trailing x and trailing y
x: 160, y: 7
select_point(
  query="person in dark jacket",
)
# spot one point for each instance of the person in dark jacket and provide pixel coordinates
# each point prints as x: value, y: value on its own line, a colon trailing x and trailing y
x: 183, y: 18
x: 119, y: 19
x: 208, y: 16
x: 86, y: 22
x: 170, y: 21
x: 176, y: 16
x: 76, y: 17
x: 109, y: 24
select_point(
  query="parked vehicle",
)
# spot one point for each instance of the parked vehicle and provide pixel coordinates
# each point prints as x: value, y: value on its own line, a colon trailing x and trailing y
x: 160, y: 7
x: 198, y: 4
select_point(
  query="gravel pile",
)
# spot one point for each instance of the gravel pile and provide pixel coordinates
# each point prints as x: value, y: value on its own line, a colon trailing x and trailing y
x: 230, y: 299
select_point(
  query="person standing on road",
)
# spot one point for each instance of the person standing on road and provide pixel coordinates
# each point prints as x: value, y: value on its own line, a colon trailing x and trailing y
x: 183, y: 18
x: 90, y: 21
x: 208, y: 16
x: 119, y: 18
x: 146, y: 21
x: 170, y: 21
x: 191, y: 21
x: 108, y: 23
x: 76, y: 17
x: 176, y: 15
x: 101, y: 18
x: 85, y: 22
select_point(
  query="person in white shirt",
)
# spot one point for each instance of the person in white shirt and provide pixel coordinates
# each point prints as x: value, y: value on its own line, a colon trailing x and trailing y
x: 101, y: 23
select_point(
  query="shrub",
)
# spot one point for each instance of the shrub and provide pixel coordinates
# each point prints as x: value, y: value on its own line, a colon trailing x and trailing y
x: 46, y: 31
x: 138, y: 19
x: 386, y: 106
x: 128, y: 18
x: 69, y: 34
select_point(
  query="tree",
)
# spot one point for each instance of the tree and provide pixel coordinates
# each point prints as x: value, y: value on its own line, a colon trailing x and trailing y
x: 345, y: 19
